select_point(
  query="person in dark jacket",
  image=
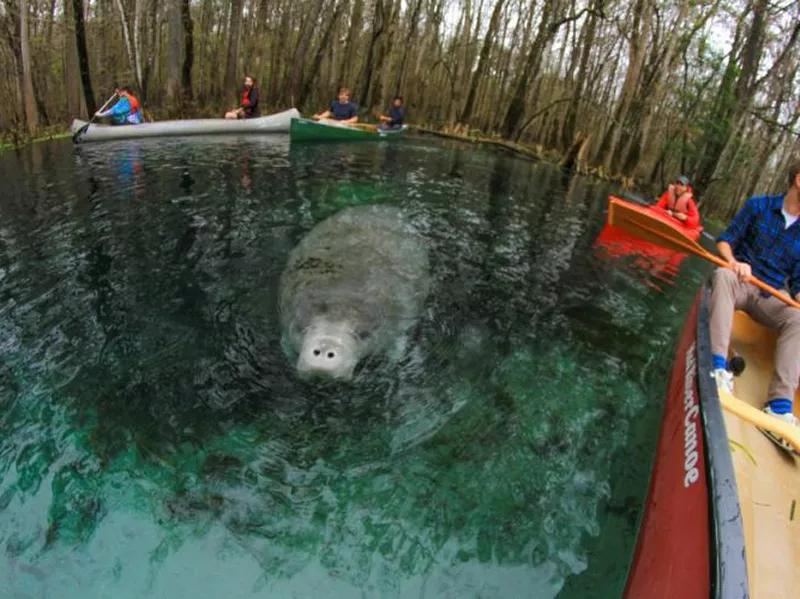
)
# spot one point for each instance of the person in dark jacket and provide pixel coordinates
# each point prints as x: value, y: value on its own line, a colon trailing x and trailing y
x: 397, y: 113
x: 248, y: 109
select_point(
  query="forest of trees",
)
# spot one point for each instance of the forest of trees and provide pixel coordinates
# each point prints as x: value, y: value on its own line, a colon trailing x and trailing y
x: 642, y: 89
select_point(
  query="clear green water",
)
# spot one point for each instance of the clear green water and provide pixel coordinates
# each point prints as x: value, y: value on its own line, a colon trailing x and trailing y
x: 155, y: 439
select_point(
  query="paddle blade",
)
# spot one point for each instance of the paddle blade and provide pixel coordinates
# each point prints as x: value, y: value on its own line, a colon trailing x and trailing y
x: 365, y: 127
x: 645, y: 223
x: 76, y: 137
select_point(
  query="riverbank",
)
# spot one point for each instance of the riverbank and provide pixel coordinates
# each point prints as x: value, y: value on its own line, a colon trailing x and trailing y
x: 15, y: 140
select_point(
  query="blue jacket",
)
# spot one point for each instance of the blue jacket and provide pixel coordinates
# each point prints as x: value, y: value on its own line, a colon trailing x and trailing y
x: 121, y: 112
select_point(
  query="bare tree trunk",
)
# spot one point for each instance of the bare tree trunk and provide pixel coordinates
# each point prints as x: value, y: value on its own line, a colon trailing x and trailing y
x: 175, y: 30
x: 312, y: 74
x: 649, y: 97
x: 735, y: 94
x: 277, y: 79
x: 135, y: 64
x: 138, y: 9
x: 483, y: 60
x: 71, y: 69
x: 259, y: 40
x: 28, y: 97
x: 636, y: 53
x: 307, y: 31
x: 153, y: 35
x: 516, y: 108
x: 349, y: 56
x: 188, y: 50
x: 83, y: 57
x: 568, y: 128
x: 379, y: 23
x: 51, y: 17
x: 383, y: 58
x: 412, y: 31
x: 231, y: 65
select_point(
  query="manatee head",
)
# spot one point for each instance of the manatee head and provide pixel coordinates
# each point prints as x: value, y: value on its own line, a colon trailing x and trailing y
x: 329, y: 349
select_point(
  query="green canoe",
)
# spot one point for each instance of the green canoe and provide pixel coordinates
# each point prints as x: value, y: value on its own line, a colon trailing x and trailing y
x: 308, y: 130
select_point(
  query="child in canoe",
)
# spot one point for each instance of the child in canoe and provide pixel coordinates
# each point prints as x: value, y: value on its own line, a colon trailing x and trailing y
x: 125, y: 110
x: 397, y: 113
x: 678, y: 202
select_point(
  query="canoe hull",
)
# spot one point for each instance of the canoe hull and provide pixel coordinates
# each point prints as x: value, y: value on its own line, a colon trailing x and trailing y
x: 618, y: 204
x: 305, y: 130
x: 691, y: 539
x: 274, y: 123
x: 650, y: 263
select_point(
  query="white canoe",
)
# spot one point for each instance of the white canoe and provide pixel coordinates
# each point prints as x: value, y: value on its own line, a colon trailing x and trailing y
x: 273, y: 123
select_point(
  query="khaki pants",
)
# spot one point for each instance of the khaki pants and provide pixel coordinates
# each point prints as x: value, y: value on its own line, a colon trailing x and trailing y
x: 729, y: 294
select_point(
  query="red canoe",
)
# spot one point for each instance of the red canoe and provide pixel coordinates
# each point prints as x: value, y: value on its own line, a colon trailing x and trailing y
x: 721, y: 518
x: 660, y: 263
x: 691, y: 540
x: 657, y: 213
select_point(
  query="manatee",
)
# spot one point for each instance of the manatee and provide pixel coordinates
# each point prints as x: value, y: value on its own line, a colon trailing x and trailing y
x: 352, y: 287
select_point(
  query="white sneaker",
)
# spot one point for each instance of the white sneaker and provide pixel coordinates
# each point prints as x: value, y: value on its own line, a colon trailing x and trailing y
x: 724, y: 379
x: 787, y: 417
x: 780, y: 441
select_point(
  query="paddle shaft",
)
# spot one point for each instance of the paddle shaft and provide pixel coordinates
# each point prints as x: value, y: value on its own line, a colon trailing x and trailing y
x: 103, y: 107
x: 83, y: 129
x: 652, y: 229
x: 363, y: 126
x: 763, y: 421
x: 698, y: 250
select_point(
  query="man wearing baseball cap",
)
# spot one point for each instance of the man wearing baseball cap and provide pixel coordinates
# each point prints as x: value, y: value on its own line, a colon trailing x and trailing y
x: 678, y: 202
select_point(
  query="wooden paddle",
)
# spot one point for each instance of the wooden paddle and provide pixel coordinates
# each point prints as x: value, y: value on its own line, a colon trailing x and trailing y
x: 656, y: 231
x: 83, y: 129
x: 763, y: 421
x: 363, y: 126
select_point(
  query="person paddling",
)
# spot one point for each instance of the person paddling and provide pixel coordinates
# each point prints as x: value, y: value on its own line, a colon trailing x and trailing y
x: 125, y: 111
x: 397, y: 113
x: 678, y: 202
x: 249, y: 108
x: 762, y: 240
x: 342, y: 110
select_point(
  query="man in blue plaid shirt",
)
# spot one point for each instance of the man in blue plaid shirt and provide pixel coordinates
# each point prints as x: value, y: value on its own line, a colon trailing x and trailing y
x: 763, y: 240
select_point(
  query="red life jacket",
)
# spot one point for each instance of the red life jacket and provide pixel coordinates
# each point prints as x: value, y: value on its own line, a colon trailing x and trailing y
x: 133, y: 101
x: 246, y: 97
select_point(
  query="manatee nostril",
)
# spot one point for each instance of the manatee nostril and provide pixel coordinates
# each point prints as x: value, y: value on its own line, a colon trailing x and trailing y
x: 317, y: 352
x: 331, y: 354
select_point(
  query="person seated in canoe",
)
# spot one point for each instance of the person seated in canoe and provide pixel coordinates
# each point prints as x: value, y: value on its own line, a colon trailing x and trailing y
x: 342, y: 110
x: 763, y: 240
x: 248, y: 109
x: 678, y: 202
x: 397, y: 113
x: 125, y: 111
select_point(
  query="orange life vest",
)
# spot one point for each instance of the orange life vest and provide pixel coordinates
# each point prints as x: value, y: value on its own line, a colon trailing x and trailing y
x: 133, y: 101
x: 681, y: 204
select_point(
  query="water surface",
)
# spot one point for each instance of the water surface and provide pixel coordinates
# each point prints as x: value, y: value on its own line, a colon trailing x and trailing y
x: 156, y: 441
